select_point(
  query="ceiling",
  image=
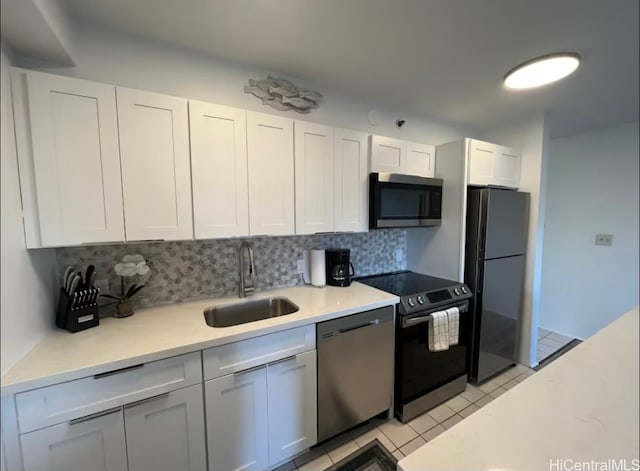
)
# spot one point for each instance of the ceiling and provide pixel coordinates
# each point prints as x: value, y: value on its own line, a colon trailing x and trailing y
x: 442, y: 59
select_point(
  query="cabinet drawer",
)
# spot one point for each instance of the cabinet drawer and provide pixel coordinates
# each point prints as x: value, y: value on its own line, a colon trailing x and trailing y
x: 65, y: 401
x: 238, y: 356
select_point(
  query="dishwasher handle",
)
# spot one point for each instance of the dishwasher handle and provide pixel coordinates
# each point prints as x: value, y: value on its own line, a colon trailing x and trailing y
x: 359, y: 326
x: 346, y: 325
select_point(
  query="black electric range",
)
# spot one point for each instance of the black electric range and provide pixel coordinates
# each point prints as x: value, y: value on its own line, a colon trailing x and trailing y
x: 425, y: 379
x: 418, y: 292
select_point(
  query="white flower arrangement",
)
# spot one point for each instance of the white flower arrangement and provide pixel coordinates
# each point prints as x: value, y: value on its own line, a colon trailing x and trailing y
x: 131, y: 265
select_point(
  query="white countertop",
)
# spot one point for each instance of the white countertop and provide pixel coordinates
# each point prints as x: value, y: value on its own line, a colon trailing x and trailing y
x: 581, y: 407
x: 160, y: 332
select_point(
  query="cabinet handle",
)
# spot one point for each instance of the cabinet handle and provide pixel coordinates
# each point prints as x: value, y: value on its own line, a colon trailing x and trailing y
x: 282, y: 360
x: 280, y: 128
x: 115, y: 372
x: 149, y: 399
x: 94, y: 416
x: 248, y: 370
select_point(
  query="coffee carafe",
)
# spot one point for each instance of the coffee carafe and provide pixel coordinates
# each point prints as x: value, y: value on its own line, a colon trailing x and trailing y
x: 340, y: 271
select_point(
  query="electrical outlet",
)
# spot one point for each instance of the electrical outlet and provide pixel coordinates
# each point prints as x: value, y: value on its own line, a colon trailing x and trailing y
x: 300, y: 267
x: 604, y: 239
x: 102, y: 285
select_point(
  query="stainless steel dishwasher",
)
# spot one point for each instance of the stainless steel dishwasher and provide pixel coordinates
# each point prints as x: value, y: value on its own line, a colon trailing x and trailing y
x: 355, y: 369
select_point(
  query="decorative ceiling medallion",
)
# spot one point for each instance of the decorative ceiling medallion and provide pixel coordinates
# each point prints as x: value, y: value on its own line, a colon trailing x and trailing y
x: 283, y: 95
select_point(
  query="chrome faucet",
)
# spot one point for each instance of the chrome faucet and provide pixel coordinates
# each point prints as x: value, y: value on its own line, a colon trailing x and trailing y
x: 244, y: 289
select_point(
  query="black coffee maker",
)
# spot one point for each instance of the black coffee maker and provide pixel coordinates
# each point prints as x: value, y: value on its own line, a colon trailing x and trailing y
x: 339, y: 268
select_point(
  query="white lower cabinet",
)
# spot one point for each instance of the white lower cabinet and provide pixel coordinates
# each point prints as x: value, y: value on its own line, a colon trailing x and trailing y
x: 161, y: 433
x: 291, y: 405
x: 263, y: 416
x: 166, y: 433
x: 237, y: 428
x: 95, y: 443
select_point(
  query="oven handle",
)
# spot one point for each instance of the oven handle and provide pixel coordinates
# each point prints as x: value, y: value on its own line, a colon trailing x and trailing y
x: 419, y: 320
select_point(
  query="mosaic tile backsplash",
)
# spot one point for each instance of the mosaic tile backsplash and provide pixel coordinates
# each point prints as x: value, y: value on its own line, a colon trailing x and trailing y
x: 189, y: 270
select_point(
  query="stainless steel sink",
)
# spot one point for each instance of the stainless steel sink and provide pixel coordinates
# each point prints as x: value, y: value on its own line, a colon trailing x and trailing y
x: 241, y: 313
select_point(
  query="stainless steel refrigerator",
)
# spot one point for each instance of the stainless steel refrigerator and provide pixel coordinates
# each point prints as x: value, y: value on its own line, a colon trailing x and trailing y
x: 496, y: 238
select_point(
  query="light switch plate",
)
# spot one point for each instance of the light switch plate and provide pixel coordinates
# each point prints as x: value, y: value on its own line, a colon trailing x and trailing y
x: 604, y: 239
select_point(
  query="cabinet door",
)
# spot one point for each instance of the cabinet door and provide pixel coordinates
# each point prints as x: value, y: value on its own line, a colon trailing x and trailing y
x: 166, y: 433
x: 314, y: 178
x: 237, y: 430
x: 507, y: 167
x: 388, y: 155
x: 154, y: 148
x: 270, y: 156
x: 292, y: 406
x: 482, y: 156
x: 76, y: 161
x: 421, y: 160
x: 96, y: 444
x: 351, y: 187
x: 219, y: 170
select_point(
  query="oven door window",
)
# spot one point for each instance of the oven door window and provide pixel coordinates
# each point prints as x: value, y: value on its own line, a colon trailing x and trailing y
x: 421, y: 371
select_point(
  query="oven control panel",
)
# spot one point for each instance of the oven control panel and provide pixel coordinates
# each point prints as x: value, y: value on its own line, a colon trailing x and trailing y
x: 434, y: 299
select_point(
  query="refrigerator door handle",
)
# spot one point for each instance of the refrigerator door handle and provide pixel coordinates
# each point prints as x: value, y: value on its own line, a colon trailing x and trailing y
x: 479, y: 276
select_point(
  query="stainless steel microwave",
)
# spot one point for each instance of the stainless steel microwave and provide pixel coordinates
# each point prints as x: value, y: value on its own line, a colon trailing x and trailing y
x: 397, y: 200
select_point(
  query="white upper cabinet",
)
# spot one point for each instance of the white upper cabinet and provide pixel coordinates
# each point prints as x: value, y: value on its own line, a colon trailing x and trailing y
x: 421, y: 160
x: 271, y: 174
x: 69, y: 161
x: 492, y: 164
x: 156, y: 179
x: 507, y: 167
x: 351, y: 188
x: 395, y: 156
x: 219, y: 170
x: 388, y: 155
x: 314, y: 178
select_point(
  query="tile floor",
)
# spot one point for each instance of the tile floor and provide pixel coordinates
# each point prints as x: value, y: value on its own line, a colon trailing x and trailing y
x: 550, y: 342
x: 401, y: 439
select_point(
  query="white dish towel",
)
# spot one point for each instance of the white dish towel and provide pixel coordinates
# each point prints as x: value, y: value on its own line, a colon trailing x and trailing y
x: 439, y: 332
x: 453, y: 315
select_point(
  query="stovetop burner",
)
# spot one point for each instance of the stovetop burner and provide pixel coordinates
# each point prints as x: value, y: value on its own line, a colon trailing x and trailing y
x: 406, y: 283
x: 418, y: 292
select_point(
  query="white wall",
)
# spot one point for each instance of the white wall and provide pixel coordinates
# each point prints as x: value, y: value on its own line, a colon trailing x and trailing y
x: 125, y: 60
x: 122, y: 59
x: 592, y: 189
x: 27, y: 277
x: 532, y: 138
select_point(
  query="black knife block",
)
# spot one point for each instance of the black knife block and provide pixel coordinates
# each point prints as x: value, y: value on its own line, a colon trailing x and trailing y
x: 81, y: 317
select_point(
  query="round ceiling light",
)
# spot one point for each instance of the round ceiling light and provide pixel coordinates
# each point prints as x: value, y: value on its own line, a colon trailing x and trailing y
x: 542, y: 70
